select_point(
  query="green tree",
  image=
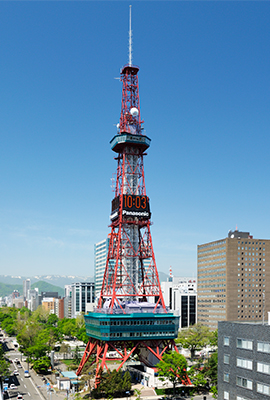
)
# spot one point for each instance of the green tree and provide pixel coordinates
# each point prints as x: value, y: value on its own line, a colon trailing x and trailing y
x: 67, y: 327
x: 41, y: 365
x: 112, y: 384
x: 4, y: 368
x: 213, y: 339
x: 41, y: 315
x: 210, y: 369
x: 173, y: 367
x: 194, y: 338
x: 53, y: 320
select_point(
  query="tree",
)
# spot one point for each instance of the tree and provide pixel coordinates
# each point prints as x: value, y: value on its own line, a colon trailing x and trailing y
x: 213, y: 339
x: 41, y: 365
x: 112, y: 384
x: 210, y: 369
x: 53, y: 319
x: 173, y: 367
x: 67, y: 327
x: 194, y: 338
x: 205, y: 376
x: 4, y: 368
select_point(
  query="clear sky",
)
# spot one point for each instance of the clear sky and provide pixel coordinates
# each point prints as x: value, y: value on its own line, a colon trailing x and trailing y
x: 204, y: 91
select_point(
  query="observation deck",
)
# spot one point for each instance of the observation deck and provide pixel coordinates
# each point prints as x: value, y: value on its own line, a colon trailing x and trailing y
x: 118, y: 142
x: 131, y: 324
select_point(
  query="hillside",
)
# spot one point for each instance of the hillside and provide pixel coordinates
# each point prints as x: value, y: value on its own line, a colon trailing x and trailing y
x: 6, y: 289
x: 47, y: 287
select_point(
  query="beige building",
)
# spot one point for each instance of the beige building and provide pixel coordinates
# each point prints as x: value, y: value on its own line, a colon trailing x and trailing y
x: 233, y: 276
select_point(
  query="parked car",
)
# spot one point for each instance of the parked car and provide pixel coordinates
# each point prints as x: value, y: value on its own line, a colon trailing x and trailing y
x: 12, y: 386
x: 20, y: 396
x: 16, y: 372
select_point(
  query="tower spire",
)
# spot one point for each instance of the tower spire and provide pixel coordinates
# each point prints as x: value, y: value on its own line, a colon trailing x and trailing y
x: 130, y: 39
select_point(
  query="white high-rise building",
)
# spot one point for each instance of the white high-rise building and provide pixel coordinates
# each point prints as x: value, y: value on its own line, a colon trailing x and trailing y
x: 82, y: 298
x: 100, y: 258
x: 68, y: 301
x: 26, y: 287
x: 180, y: 295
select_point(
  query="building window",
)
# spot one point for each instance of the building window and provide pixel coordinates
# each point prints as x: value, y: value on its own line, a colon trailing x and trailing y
x: 241, y: 398
x: 263, y: 367
x: 226, y: 395
x: 263, y: 388
x: 244, y: 363
x: 226, y: 377
x: 243, y: 382
x: 244, y: 344
x: 226, y: 359
x: 226, y: 341
x: 263, y: 347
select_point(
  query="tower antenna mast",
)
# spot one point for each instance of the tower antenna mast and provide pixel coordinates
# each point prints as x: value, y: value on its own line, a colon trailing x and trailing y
x: 130, y: 39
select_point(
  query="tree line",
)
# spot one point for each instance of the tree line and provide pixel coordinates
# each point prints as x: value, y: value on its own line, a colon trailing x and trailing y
x: 39, y: 332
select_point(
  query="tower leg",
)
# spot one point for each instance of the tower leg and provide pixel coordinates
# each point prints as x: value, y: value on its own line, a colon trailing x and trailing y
x: 87, y: 353
x: 157, y: 347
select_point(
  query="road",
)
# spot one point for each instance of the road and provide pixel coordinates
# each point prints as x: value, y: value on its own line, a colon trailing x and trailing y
x: 25, y: 386
x: 32, y: 388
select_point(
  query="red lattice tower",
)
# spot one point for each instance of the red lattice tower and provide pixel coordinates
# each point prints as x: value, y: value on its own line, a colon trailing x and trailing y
x: 131, y: 317
x: 131, y: 272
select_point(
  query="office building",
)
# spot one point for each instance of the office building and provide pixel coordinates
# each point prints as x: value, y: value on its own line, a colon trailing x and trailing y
x: 100, y: 258
x: 48, y: 303
x: 180, y: 295
x: 243, y: 360
x: 32, y: 299
x: 26, y: 287
x: 59, y: 307
x: 82, y: 298
x: 233, y: 276
x: 68, y: 301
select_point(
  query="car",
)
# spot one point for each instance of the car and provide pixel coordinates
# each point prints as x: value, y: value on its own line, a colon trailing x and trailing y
x: 19, y: 365
x: 26, y: 374
x: 20, y: 396
x: 12, y: 386
x: 16, y: 360
x: 16, y: 372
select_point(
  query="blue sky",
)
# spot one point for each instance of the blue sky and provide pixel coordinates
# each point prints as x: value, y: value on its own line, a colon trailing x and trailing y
x: 204, y: 92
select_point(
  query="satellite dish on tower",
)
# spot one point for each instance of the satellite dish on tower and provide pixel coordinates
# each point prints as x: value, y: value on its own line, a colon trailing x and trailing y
x: 134, y: 112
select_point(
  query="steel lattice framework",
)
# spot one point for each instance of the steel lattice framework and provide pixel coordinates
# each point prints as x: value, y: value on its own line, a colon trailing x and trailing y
x: 131, y: 272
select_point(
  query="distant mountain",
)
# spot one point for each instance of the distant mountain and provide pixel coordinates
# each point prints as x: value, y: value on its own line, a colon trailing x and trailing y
x: 47, y: 287
x: 57, y: 280
x: 6, y: 290
x: 47, y: 283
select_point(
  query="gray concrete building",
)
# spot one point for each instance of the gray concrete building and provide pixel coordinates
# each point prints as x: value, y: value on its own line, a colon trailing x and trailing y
x: 243, y: 360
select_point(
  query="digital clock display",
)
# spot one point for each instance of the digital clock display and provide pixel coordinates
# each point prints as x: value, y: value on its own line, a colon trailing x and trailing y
x: 133, y: 206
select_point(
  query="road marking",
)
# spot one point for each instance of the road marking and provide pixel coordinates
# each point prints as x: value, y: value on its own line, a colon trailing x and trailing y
x: 25, y: 386
x: 38, y: 392
x: 29, y: 394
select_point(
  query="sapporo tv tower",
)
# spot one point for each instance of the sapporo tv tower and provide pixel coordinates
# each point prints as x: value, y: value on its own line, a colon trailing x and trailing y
x: 131, y: 317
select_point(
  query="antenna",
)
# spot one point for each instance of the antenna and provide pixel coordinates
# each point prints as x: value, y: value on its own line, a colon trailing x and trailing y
x: 130, y: 39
